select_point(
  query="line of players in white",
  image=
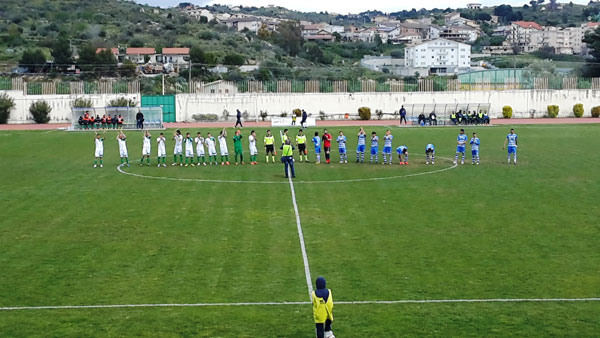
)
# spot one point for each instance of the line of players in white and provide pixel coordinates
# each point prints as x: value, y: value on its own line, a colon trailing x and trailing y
x: 210, y: 142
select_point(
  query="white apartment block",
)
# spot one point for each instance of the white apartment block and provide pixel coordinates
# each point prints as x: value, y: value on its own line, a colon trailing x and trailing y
x: 521, y: 35
x: 564, y: 40
x: 440, y: 56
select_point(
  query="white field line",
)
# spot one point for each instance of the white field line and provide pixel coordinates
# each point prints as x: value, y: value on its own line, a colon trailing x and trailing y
x: 301, y: 237
x: 120, y: 169
x: 407, y: 301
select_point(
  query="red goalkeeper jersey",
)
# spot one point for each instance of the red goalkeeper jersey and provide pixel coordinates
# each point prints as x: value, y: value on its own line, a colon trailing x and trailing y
x: 327, y: 140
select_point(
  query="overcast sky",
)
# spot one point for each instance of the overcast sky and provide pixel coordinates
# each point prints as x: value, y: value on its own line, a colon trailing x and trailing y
x: 346, y: 6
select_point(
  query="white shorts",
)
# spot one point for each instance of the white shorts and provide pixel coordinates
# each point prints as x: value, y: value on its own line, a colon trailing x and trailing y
x: 200, y: 151
x: 189, y: 153
x: 146, y: 151
x: 253, y: 151
x: 224, y: 152
x: 162, y: 152
x: 178, y: 150
x: 123, y: 153
x: 99, y: 153
x: 212, y: 152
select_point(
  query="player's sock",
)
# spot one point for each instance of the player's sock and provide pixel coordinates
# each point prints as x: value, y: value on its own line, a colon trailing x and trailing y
x: 515, y: 158
x: 463, y: 157
x: 362, y: 157
x: 432, y: 158
x: 174, y: 158
x: 127, y: 160
x: 241, y: 157
x: 181, y: 158
x: 318, y: 157
x: 376, y: 158
x: 142, y: 160
x: 186, y: 160
x: 273, y: 158
x: 203, y: 161
x: 456, y: 157
x: 95, y: 162
x: 102, y: 162
x: 508, y: 159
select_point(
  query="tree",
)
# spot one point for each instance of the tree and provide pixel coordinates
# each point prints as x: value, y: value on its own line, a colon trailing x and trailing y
x: 503, y: 10
x: 337, y: 36
x: 234, y: 59
x: 7, y: 103
x: 263, y: 32
x: 541, y: 68
x: 289, y: 37
x: 483, y: 16
x: 40, y: 111
x: 378, y: 41
x: 33, y: 60
x: 61, y: 52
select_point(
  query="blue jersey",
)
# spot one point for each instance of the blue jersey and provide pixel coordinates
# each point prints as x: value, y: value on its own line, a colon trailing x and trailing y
x: 512, y: 140
x: 474, y: 143
x: 362, y: 139
x: 387, y: 139
x: 430, y: 146
x: 462, y: 140
x: 401, y: 149
x: 341, y: 140
x: 317, y: 141
x: 374, y: 141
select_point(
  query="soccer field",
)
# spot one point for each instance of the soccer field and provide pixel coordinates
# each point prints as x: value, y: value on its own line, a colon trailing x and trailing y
x: 226, y: 240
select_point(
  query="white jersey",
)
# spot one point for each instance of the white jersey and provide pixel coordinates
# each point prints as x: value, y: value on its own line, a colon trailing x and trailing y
x: 146, y: 146
x: 252, y: 143
x: 199, y: 145
x: 162, y: 151
x: 223, y: 145
x: 99, y: 147
x: 210, y: 144
x: 122, y: 147
x: 178, y: 145
x: 189, y: 147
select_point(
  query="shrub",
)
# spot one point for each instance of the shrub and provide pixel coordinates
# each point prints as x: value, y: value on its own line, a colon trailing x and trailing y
x: 82, y: 103
x: 205, y: 117
x: 298, y: 112
x: 40, y: 111
x: 122, y: 102
x: 507, y: 112
x: 596, y: 111
x: 578, y: 110
x: 6, y: 105
x: 283, y: 114
x: 364, y: 113
x: 553, y: 111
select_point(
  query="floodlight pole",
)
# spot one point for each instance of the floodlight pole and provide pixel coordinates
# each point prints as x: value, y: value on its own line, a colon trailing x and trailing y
x: 163, y: 84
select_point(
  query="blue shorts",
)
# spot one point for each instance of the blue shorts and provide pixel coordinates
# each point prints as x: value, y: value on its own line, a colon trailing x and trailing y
x: 387, y: 150
x: 360, y: 148
x: 475, y: 152
x: 374, y: 150
x: 512, y: 149
x: 342, y: 150
x: 460, y: 149
x: 317, y: 150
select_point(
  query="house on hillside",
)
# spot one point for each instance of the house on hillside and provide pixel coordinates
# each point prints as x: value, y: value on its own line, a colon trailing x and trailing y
x: 440, y: 56
x: 474, y: 6
x: 219, y: 87
x: 140, y: 55
x: 522, y: 34
x: 460, y: 33
x: 176, y: 56
x: 251, y: 23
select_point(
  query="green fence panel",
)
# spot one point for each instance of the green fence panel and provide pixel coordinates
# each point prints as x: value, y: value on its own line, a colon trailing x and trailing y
x: 325, y: 86
x: 354, y: 86
x: 90, y: 87
x: 382, y: 87
x: 270, y: 86
x: 297, y: 86
x: 34, y: 88
x: 584, y: 83
x: 119, y: 87
x: 5, y: 83
x: 63, y: 88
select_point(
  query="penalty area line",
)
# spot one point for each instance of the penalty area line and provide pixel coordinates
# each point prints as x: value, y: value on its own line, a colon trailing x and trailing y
x: 358, y: 302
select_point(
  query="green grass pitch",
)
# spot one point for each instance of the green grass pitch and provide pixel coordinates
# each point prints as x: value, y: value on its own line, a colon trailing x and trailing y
x: 74, y: 235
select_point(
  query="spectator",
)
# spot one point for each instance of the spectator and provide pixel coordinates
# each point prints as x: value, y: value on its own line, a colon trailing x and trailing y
x: 402, y: 115
x: 238, y: 118
x: 421, y: 119
x: 139, y: 117
x: 303, y: 121
x: 432, y: 119
x: 453, y: 118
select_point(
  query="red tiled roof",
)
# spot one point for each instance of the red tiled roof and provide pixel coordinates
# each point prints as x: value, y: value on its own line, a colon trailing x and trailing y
x: 176, y: 51
x: 528, y: 24
x: 115, y: 51
x: 140, y: 51
x: 592, y: 24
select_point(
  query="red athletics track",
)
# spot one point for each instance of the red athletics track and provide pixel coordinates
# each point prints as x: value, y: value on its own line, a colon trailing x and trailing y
x: 326, y: 123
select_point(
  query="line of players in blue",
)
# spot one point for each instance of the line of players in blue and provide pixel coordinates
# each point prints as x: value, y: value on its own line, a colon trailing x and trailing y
x: 402, y: 151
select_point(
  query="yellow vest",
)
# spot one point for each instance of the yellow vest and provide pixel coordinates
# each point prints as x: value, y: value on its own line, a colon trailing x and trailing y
x: 269, y: 140
x: 300, y: 139
x: 287, y: 150
x: 322, y: 310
